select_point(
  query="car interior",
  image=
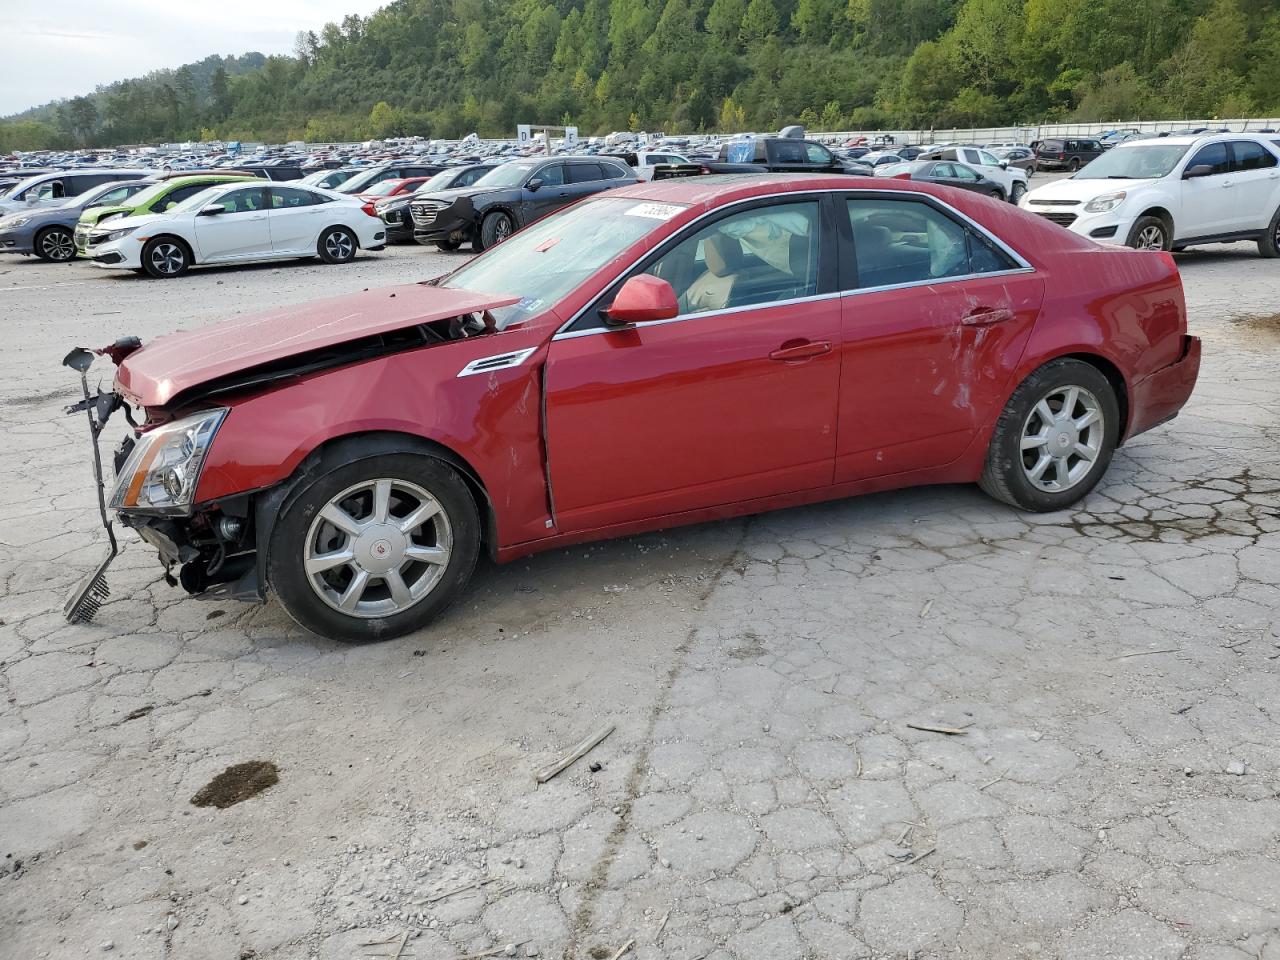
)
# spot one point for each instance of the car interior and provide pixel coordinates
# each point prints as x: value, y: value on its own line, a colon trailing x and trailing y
x: 899, y: 242
x: 745, y: 260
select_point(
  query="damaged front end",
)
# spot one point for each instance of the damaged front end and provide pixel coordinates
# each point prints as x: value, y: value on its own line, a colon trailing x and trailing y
x: 157, y: 468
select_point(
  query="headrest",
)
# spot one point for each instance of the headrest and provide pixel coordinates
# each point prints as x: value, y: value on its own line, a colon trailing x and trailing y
x: 722, y: 254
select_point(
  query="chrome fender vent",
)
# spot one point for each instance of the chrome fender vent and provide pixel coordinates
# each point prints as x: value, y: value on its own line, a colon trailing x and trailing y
x: 500, y: 361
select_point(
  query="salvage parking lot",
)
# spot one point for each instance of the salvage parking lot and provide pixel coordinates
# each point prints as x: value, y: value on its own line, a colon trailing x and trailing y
x: 1108, y: 675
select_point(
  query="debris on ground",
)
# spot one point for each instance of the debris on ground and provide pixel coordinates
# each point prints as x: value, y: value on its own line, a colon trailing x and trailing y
x: 236, y: 784
x: 578, y: 752
x: 937, y: 728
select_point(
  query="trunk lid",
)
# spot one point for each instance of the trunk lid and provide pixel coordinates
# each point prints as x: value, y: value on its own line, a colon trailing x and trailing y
x: 170, y: 365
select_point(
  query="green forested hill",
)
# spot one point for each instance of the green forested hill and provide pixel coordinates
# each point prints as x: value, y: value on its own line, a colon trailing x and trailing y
x: 444, y: 68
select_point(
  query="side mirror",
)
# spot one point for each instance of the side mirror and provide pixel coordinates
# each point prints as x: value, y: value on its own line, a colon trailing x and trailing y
x: 1004, y: 164
x: 1199, y: 170
x: 534, y: 184
x: 213, y: 210
x: 642, y: 299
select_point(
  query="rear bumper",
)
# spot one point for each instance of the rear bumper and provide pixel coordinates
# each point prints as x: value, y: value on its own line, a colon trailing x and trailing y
x: 1162, y: 395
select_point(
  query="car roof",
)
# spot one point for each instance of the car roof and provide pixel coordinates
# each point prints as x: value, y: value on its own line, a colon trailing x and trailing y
x: 725, y: 188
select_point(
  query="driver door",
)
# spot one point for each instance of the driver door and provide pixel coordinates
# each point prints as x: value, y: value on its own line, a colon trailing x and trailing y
x: 734, y: 399
x: 239, y: 233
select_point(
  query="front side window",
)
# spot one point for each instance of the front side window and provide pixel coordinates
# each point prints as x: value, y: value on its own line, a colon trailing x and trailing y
x: 788, y: 151
x: 244, y: 201
x: 964, y: 173
x: 1214, y: 155
x: 818, y: 154
x: 1252, y: 156
x: 909, y: 241
x: 752, y: 258
x: 552, y: 175
x: 289, y: 197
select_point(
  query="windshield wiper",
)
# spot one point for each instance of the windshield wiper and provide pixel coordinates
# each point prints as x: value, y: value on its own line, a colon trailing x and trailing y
x: 1119, y: 176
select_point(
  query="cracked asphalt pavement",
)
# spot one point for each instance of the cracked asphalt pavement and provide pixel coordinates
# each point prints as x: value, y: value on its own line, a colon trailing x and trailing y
x: 768, y: 793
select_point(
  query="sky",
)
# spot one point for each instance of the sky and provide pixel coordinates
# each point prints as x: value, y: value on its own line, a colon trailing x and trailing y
x: 67, y: 47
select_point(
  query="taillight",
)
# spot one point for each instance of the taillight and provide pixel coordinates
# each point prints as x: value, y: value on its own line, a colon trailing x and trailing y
x: 368, y: 208
x: 1062, y: 156
x: 901, y: 176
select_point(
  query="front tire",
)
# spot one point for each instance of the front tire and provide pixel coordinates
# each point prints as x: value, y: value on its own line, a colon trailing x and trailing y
x: 375, y: 548
x: 1018, y: 192
x: 165, y: 258
x: 1055, y: 438
x: 56, y: 245
x: 1269, y: 243
x: 448, y: 245
x: 337, y: 245
x: 495, y: 228
x: 1150, y: 233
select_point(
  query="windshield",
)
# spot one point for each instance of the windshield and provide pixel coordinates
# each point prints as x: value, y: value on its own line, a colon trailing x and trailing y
x: 507, y: 175
x: 547, y: 260
x: 1134, y: 163
x: 144, y: 198
x: 439, y: 182
x: 21, y: 185
x: 357, y: 183
x: 382, y: 188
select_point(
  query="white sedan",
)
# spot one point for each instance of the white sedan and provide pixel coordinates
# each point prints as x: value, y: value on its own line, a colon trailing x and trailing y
x: 239, y: 222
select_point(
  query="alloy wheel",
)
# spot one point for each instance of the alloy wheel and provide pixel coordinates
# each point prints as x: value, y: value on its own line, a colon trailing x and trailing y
x: 502, y: 229
x: 168, y: 258
x: 58, y: 245
x: 1151, y: 238
x: 339, y: 245
x: 377, y: 548
x: 1062, y: 438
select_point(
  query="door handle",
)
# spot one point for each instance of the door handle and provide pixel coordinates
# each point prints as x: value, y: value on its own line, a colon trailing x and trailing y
x: 794, y: 351
x: 986, y: 316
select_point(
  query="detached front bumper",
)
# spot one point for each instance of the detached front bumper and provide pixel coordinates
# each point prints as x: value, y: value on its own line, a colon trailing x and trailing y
x: 1163, y: 394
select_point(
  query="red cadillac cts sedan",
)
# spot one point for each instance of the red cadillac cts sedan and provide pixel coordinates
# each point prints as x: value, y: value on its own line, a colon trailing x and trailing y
x: 656, y: 355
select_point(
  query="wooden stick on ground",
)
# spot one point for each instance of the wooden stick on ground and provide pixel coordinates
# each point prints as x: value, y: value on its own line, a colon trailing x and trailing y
x: 578, y: 752
x: 492, y: 951
x: 623, y: 949
x: 935, y: 728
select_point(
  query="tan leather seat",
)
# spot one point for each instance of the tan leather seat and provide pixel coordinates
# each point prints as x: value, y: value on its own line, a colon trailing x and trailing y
x: 712, y: 290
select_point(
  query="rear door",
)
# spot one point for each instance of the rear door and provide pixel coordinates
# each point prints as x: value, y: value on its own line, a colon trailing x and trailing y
x: 935, y: 317
x: 240, y: 233
x: 734, y: 399
x: 1257, y: 185
x: 295, y: 220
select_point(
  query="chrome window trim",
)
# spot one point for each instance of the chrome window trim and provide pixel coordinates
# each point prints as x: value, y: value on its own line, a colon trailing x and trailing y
x: 564, y: 333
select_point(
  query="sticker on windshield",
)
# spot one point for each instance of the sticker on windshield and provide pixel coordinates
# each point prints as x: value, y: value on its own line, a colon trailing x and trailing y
x: 655, y: 211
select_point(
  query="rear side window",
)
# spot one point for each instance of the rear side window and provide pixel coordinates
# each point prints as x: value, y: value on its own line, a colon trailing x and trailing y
x: 787, y: 151
x: 909, y: 241
x: 284, y: 198
x: 1214, y: 155
x: 1252, y: 156
x: 584, y: 172
x: 615, y: 171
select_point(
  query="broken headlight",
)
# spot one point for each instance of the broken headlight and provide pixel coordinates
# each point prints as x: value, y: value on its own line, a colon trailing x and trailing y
x: 162, y: 470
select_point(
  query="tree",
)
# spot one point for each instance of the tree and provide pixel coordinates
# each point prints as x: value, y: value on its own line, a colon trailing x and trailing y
x: 760, y: 22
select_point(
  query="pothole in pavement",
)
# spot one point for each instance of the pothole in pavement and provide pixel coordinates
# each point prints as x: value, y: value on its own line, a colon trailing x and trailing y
x: 236, y: 784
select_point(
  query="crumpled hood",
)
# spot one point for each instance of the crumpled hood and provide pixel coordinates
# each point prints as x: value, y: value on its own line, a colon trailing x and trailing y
x: 170, y: 365
x: 128, y: 223
x: 448, y: 196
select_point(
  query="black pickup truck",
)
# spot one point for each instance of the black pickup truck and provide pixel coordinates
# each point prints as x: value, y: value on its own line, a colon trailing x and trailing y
x: 780, y: 155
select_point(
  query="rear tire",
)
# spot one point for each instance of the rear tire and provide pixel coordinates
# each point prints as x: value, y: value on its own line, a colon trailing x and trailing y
x: 1150, y: 233
x: 399, y: 575
x: 56, y: 245
x: 1074, y: 165
x: 337, y: 245
x: 1041, y: 458
x: 495, y: 228
x: 165, y: 258
x: 1269, y: 243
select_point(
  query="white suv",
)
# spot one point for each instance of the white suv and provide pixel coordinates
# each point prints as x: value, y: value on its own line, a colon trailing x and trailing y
x: 1012, y: 180
x: 1173, y: 192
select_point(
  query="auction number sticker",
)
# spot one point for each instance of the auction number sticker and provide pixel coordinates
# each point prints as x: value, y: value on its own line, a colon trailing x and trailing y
x: 655, y: 211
